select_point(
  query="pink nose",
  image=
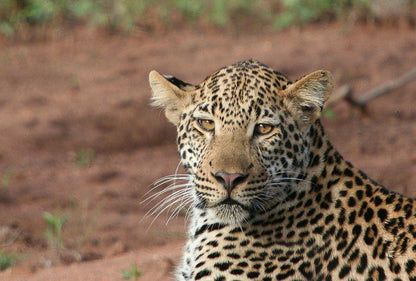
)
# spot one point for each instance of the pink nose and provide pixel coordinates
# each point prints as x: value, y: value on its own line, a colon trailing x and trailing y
x: 230, y: 180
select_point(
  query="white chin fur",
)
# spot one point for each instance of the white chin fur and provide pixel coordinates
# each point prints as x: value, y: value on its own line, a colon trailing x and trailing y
x: 232, y: 214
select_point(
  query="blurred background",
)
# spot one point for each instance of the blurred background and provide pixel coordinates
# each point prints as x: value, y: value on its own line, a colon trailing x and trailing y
x: 80, y: 145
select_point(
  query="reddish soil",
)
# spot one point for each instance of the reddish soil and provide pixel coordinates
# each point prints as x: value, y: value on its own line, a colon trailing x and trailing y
x: 88, y: 90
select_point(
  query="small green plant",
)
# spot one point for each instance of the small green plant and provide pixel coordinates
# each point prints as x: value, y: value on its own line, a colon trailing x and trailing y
x: 85, y: 220
x: 132, y: 274
x: 84, y: 157
x: 190, y: 9
x: 54, y: 229
x: 301, y: 11
x: 7, y: 260
x: 6, y: 178
x: 75, y: 83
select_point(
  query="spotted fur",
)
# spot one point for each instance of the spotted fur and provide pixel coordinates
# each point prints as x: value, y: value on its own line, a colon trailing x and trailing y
x: 280, y: 205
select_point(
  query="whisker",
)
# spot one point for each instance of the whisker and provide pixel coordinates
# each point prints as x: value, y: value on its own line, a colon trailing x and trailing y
x: 178, y: 209
x: 176, y: 192
x: 166, y: 190
x: 171, y: 178
x: 168, y: 199
x: 161, y: 209
x: 188, y: 211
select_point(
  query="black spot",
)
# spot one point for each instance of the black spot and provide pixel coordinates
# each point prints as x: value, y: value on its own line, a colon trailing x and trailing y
x: 351, y: 217
x: 359, y: 194
x: 244, y: 243
x: 368, y: 190
x: 358, y: 181
x: 201, y: 230
x: 223, y: 265
x: 202, y: 273
x: 363, y: 264
x: 242, y: 264
x: 348, y: 184
x: 368, y: 215
x: 303, y: 268
x: 333, y: 264
x: 253, y: 274
x: 229, y: 247
x: 270, y: 269
x: 230, y: 238
x: 351, y: 202
x: 285, y: 275
x: 214, y: 255
x: 344, y: 271
x: 317, y: 218
x: 239, y: 229
x: 348, y: 173
x: 377, y: 201
x: 354, y: 255
x: 390, y: 199
x: 382, y: 214
x: 395, y: 267
x: 302, y: 223
x: 234, y: 256
x: 237, y: 271
x: 341, y: 245
x: 329, y: 218
x: 327, y: 254
x: 213, y: 243
x: 315, y: 161
x: 410, y: 266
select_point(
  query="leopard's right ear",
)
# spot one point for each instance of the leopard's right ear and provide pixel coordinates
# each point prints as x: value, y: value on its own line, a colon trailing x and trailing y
x: 171, y: 94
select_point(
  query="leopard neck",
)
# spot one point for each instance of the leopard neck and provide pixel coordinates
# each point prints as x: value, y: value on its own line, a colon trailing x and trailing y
x: 324, y: 161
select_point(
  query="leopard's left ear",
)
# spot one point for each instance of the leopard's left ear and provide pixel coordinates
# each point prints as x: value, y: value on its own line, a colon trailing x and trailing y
x: 308, y: 95
x: 171, y: 94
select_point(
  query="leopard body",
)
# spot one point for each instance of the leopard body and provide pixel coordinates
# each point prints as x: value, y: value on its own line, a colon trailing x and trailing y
x: 271, y: 197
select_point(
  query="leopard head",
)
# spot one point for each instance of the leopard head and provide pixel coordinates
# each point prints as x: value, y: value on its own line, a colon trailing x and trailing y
x: 243, y: 135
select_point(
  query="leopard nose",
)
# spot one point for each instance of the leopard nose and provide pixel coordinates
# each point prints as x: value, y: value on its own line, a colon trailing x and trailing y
x: 230, y: 180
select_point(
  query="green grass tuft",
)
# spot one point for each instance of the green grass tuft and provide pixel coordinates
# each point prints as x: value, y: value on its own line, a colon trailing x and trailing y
x: 54, y: 229
x: 6, y: 178
x: 132, y: 274
x: 84, y: 157
x: 7, y: 260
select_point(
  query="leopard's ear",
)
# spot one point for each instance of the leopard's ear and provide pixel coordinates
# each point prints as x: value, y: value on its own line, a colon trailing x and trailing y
x: 171, y: 94
x: 308, y: 95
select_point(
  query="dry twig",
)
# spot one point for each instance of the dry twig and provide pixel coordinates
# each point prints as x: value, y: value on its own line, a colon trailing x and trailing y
x: 345, y: 92
x: 11, y: 241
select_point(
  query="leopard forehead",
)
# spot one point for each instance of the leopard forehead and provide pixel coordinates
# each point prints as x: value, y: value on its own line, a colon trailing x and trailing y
x: 240, y: 90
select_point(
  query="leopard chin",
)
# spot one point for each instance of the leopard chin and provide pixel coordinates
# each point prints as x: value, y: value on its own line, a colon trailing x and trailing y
x: 231, y: 213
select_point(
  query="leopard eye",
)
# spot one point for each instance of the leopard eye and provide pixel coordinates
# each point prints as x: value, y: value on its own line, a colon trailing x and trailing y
x: 263, y: 129
x: 206, y: 124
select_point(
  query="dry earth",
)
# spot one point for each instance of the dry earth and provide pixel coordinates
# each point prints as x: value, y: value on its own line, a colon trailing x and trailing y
x: 85, y: 90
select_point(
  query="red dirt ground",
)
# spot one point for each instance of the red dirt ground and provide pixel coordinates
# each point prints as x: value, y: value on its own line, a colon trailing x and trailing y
x: 88, y: 90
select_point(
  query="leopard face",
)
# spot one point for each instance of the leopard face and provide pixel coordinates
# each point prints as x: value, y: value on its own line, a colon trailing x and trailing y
x: 243, y: 135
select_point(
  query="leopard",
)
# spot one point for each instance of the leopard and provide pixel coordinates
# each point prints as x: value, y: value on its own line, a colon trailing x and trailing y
x: 270, y: 197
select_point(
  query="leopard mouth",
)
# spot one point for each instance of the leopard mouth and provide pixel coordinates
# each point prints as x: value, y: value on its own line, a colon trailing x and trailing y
x: 229, y: 201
